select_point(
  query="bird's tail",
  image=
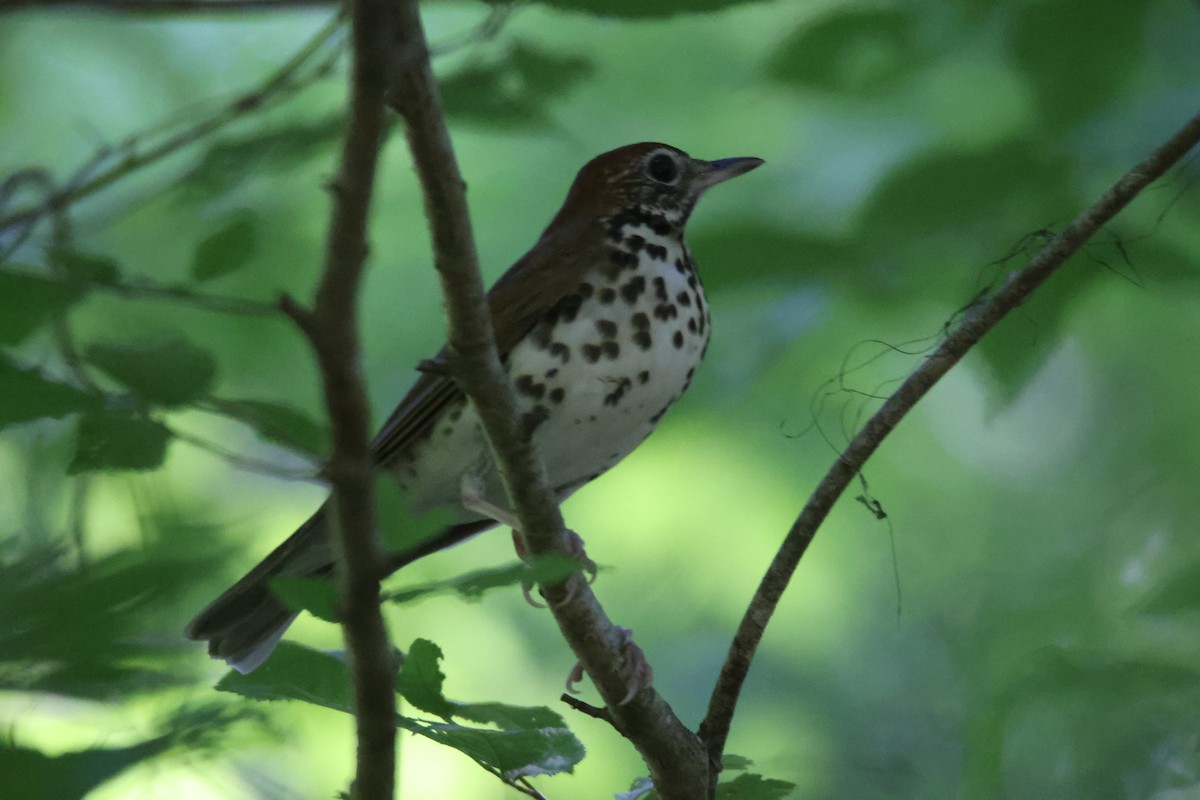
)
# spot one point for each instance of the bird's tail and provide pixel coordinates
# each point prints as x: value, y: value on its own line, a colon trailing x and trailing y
x: 244, y: 624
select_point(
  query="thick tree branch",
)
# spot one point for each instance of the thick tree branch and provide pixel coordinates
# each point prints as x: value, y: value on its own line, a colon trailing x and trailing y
x: 673, y: 753
x: 332, y: 326
x: 978, y: 320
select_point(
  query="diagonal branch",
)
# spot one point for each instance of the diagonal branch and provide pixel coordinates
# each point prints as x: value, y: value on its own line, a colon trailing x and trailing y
x: 672, y: 752
x: 977, y: 321
x: 332, y: 327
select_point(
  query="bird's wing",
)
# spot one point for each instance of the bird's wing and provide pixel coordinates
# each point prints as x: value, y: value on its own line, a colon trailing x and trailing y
x: 532, y: 286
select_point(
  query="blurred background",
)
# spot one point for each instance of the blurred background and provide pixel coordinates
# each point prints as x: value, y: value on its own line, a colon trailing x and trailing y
x: 1025, y: 622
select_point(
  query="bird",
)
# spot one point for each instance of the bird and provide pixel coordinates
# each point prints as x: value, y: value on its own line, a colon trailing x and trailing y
x: 600, y: 327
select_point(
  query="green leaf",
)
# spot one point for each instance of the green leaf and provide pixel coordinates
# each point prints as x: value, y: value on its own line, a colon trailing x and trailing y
x: 642, y: 9
x: 70, y: 775
x: 295, y: 672
x: 735, y: 763
x: 641, y: 789
x: 26, y: 395
x: 852, y: 49
x: 420, y: 679
x: 401, y: 530
x: 317, y: 596
x: 169, y: 373
x: 543, y: 569
x: 1179, y: 593
x: 754, y: 787
x: 277, y: 423
x: 107, y: 441
x: 507, y: 717
x: 515, y: 91
x: 227, y: 249
x: 85, y: 267
x: 28, y: 301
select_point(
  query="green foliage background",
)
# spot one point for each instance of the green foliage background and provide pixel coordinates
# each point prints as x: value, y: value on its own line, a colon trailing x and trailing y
x: 1024, y: 622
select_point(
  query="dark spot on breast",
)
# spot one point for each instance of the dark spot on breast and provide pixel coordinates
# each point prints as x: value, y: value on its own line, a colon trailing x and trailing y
x: 659, y: 224
x: 552, y: 372
x: 677, y: 339
x: 611, y: 349
x: 691, y: 324
x: 643, y: 376
x: 607, y: 295
x: 585, y: 290
x: 456, y: 413
x: 692, y: 281
x: 541, y: 334
x: 660, y: 289
x: 560, y: 351
x: 556, y: 395
x: 657, y: 252
x: 526, y: 385
x: 535, y: 417
x: 684, y: 299
x: 635, y: 242
x: 641, y: 322
x: 607, y: 328
x: 569, y: 307
x: 622, y: 258
x: 633, y: 289
x: 591, y: 353
x: 679, y: 267
x: 642, y: 339
x: 614, y: 397
x: 665, y: 311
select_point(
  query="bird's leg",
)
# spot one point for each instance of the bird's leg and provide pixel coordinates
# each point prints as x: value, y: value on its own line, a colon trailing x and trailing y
x: 638, y: 672
x: 471, y: 491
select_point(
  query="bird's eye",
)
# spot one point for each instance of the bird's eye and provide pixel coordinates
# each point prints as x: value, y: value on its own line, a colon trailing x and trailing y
x: 662, y: 168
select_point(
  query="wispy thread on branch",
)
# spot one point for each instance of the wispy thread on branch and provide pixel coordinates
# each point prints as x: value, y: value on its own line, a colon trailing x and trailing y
x: 975, y: 322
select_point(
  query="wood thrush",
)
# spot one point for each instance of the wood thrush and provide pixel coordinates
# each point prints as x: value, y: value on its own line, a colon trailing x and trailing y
x: 600, y: 327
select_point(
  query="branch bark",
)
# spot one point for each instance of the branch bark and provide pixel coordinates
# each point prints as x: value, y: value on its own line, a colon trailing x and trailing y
x: 673, y: 753
x: 332, y: 327
x: 977, y: 321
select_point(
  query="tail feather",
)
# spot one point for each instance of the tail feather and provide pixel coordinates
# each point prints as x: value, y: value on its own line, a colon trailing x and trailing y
x: 244, y: 624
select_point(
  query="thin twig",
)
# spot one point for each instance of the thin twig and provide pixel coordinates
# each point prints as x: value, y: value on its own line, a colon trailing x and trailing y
x: 333, y: 329
x: 976, y: 321
x: 284, y: 81
x: 673, y: 753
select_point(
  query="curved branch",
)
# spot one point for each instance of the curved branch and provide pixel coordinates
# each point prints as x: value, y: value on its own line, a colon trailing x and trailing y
x: 977, y: 321
x: 673, y: 753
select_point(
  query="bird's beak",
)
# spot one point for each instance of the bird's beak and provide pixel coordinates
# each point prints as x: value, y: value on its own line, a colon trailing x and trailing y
x: 714, y: 172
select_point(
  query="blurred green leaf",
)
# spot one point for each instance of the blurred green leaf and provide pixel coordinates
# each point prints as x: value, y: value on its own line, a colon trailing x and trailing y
x: 85, y: 267
x: 90, y: 633
x: 508, y: 717
x: 472, y: 585
x: 851, y: 50
x: 420, y: 679
x: 1178, y: 593
x: 735, y: 763
x: 109, y: 441
x: 71, y: 775
x: 317, y: 596
x: 227, y: 249
x: 278, y: 423
x: 169, y: 373
x: 401, y: 530
x: 515, y: 91
x: 27, y: 301
x: 754, y: 787
x: 263, y: 151
x: 640, y: 9
x: 1073, y: 75
x: 26, y: 395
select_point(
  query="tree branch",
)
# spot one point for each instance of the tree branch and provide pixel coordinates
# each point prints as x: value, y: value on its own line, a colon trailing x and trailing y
x: 673, y: 753
x: 332, y: 327
x: 977, y: 321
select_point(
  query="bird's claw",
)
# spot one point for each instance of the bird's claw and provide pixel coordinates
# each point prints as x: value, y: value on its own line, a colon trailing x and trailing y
x: 575, y: 548
x: 638, y: 672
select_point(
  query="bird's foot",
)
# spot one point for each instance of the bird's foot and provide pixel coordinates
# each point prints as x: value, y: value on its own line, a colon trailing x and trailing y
x: 638, y: 672
x: 576, y: 549
x: 471, y: 496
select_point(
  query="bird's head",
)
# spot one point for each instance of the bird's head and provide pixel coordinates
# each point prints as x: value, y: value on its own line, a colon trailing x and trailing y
x: 651, y: 176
